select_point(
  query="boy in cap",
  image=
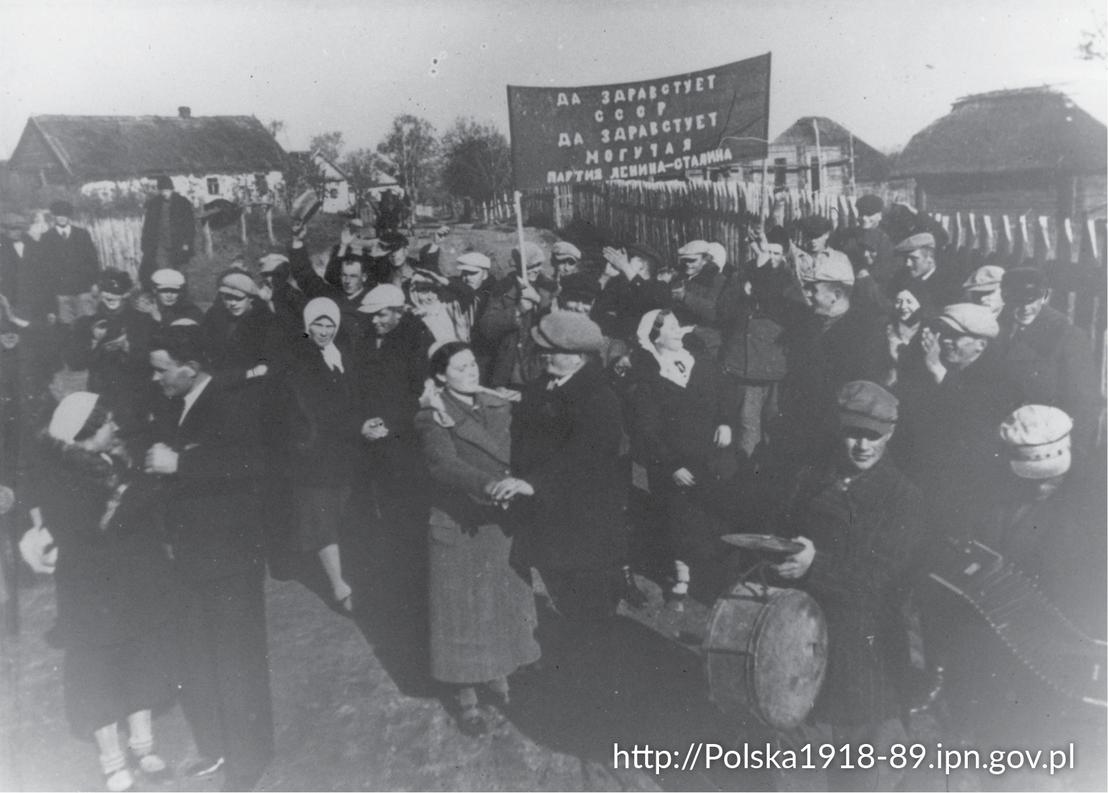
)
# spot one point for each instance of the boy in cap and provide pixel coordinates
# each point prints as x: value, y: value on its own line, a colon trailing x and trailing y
x: 859, y: 519
x: 168, y: 230
x: 697, y: 292
x: 171, y: 298
x: 566, y: 258
x: 71, y: 264
x: 1050, y: 358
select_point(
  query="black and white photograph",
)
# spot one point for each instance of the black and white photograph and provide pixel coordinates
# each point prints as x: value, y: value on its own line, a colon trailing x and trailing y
x: 496, y: 395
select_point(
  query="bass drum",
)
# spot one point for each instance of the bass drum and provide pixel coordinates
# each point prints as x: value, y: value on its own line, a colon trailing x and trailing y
x: 766, y: 653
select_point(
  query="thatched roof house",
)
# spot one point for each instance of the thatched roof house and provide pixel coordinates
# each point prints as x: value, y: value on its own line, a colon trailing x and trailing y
x: 1011, y: 151
x: 204, y: 154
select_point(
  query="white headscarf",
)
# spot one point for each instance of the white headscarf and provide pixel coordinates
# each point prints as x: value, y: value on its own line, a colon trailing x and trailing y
x: 325, y: 307
x: 675, y: 366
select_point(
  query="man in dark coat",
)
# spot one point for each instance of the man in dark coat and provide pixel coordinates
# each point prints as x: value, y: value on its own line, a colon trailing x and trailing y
x: 858, y: 519
x: 70, y: 262
x: 871, y: 210
x: 566, y: 437
x: 22, y: 278
x: 1050, y: 358
x: 514, y: 308
x: 168, y: 231
x: 833, y: 343
x: 628, y: 289
x: 208, y: 446
x: 934, y: 286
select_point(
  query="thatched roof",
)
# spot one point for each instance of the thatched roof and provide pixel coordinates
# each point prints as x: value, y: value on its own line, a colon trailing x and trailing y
x: 87, y: 148
x: 1029, y: 129
x: 870, y: 165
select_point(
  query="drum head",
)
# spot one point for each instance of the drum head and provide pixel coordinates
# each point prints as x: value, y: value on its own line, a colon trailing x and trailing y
x: 765, y: 654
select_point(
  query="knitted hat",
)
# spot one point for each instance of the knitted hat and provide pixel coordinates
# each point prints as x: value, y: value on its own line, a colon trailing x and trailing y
x: 1037, y: 439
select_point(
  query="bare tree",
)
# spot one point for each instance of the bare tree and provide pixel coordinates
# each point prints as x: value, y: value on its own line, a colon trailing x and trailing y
x: 413, y: 147
x: 329, y: 144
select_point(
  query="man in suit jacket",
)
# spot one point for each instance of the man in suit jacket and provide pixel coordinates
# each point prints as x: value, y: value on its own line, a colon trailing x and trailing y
x: 209, y: 449
x: 168, y: 231
x: 70, y: 262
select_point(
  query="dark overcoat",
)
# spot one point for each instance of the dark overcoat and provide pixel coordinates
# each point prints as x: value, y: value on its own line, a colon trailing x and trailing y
x: 182, y: 232
x: 482, y: 608
x: 72, y: 265
x: 566, y: 443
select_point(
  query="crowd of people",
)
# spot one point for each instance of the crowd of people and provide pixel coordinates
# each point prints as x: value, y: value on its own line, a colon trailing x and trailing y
x: 849, y: 388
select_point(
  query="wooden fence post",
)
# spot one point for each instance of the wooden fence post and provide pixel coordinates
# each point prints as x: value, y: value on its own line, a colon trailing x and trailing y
x: 242, y: 224
x: 207, y: 239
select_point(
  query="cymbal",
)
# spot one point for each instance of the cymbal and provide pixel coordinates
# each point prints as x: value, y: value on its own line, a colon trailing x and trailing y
x: 763, y: 542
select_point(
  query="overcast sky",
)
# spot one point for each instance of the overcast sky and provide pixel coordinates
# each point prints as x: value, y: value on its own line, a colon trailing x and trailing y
x: 883, y: 69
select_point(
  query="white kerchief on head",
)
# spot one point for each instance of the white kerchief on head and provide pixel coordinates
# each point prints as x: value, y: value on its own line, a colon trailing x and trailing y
x: 325, y: 307
x: 675, y: 366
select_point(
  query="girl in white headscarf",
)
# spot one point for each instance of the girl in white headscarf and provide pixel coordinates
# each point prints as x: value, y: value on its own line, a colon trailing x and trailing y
x: 682, y: 437
x: 322, y: 398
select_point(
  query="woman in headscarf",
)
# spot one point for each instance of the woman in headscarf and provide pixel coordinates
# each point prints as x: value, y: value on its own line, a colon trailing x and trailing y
x: 95, y: 528
x: 482, y: 608
x: 680, y: 434
x: 324, y: 423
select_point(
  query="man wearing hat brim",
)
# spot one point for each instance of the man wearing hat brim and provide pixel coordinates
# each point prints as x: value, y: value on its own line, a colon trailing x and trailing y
x: 566, y: 258
x: 934, y: 283
x: 983, y: 288
x: 168, y: 230
x: 696, y: 293
x: 113, y: 344
x: 70, y: 265
x: 1047, y: 355
x: 514, y: 307
x: 860, y: 521
x: 1040, y: 518
x: 172, y: 298
x: 565, y: 442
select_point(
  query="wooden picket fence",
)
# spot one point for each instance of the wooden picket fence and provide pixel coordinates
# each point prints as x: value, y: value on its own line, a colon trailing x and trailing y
x: 665, y: 215
x: 118, y: 241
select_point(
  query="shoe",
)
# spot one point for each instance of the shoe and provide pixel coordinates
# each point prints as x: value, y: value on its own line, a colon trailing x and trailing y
x: 472, y: 722
x: 202, y: 767
x: 119, y: 781
x: 152, y: 767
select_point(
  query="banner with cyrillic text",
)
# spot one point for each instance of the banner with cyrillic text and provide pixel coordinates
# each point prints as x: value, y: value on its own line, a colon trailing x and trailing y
x: 653, y: 128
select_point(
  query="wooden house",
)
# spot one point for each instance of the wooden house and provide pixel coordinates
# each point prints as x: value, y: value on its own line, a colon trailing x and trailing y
x: 1011, y: 152
x: 207, y: 157
x: 817, y: 154
x: 339, y: 193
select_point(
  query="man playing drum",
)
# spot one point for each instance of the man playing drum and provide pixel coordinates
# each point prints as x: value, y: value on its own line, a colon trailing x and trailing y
x: 858, y: 518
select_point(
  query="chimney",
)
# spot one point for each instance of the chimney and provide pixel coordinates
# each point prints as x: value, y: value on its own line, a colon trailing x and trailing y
x: 184, y: 111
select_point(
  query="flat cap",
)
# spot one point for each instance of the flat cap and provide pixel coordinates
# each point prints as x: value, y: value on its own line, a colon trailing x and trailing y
x: 71, y: 414
x: 271, y: 261
x: 237, y: 282
x: 641, y: 250
x: 13, y: 220
x: 870, y: 204
x: 568, y: 331
x: 970, y: 319
x: 915, y: 241
x: 533, y: 255
x: 1023, y: 285
x: 61, y: 208
x: 565, y: 250
x: 167, y: 278
x: 114, y: 282
x: 814, y: 226
x: 383, y: 296
x: 1037, y: 439
x: 868, y: 406
x: 694, y: 248
x: 984, y: 279
x: 826, y: 265
x: 474, y: 261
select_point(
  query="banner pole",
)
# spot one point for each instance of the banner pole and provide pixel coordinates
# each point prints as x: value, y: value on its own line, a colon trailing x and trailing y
x: 519, y: 230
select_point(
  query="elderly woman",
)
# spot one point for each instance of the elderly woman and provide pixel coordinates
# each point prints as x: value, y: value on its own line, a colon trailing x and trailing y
x: 482, y: 608
x: 324, y: 432
x: 682, y: 437
x: 94, y: 528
